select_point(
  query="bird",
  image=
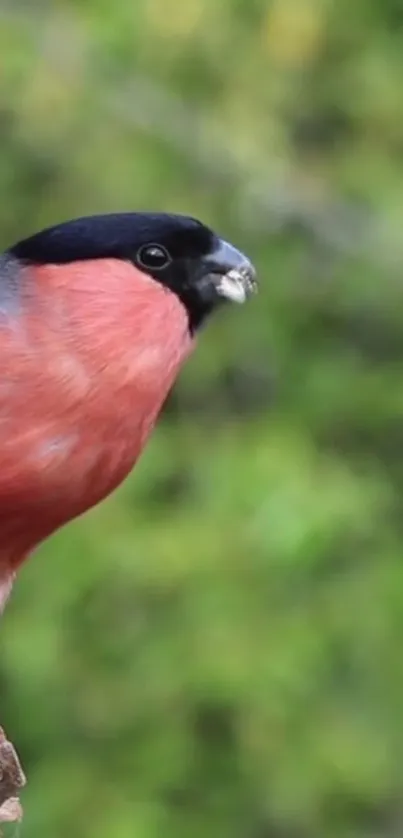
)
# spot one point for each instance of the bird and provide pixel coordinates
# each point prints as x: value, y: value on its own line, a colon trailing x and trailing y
x: 97, y: 317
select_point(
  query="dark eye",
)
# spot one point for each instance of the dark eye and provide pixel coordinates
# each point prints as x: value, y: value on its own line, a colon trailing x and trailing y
x: 153, y: 256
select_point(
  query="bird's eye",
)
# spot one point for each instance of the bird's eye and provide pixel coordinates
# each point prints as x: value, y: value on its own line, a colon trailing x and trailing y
x: 153, y: 256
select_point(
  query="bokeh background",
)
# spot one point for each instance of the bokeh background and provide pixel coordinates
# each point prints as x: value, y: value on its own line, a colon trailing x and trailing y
x: 217, y: 650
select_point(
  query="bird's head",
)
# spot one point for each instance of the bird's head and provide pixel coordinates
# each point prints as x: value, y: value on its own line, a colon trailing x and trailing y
x: 178, y: 252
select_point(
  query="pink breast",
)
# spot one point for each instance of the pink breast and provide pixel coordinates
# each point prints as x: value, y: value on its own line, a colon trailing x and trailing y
x: 87, y: 369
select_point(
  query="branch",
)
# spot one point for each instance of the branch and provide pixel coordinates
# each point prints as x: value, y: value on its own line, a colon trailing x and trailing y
x: 12, y: 780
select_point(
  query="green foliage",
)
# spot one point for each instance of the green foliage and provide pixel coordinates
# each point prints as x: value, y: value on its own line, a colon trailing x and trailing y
x: 216, y: 651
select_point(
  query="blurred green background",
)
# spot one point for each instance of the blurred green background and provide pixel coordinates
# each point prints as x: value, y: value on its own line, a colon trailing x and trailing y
x: 217, y: 650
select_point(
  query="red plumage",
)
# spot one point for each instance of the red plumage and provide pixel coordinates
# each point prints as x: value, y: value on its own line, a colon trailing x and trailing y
x: 86, y: 369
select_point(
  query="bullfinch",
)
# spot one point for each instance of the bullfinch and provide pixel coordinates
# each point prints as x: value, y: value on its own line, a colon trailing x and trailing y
x: 97, y: 316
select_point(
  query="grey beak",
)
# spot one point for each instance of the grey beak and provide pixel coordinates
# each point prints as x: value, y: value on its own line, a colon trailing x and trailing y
x: 233, y: 273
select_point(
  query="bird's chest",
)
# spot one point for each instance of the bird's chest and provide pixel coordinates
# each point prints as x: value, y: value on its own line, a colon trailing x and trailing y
x: 76, y: 434
x: 83, y: 380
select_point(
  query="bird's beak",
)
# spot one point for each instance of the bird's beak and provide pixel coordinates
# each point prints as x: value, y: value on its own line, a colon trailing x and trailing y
x: 230, y: 273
